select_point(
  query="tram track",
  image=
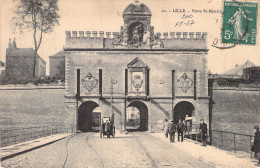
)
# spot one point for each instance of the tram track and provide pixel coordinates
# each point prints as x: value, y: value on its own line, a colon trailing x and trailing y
x: 95, y: 151
x: 67, y: 150
x: 191, y: 161
x: 88, y: 144
x: 146, y: 152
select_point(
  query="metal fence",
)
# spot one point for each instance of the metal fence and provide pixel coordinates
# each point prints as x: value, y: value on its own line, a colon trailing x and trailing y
x: 235, y: 142
x: 18, y: 135
x: 238, y: 143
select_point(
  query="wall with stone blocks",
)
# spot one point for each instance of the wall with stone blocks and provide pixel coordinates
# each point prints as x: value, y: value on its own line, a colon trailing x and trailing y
x: 160, y: 64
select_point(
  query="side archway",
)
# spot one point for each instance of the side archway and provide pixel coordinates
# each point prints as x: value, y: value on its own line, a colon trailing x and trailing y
x: 182, y: 109
x: 85, y: 116
x: 143, y: 111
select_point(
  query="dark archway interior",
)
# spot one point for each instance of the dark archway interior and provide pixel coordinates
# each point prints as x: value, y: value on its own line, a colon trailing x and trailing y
x: 85, y: 115
x: 181, y: 110
x: 139, y: 30
x: 143, y: 110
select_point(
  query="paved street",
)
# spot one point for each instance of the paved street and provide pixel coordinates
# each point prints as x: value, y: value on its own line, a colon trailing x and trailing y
x: 89, y: 150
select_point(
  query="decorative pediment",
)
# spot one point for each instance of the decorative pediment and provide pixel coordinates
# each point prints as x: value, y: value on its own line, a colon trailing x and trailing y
x: 137, y: 63
x: 137, y: 8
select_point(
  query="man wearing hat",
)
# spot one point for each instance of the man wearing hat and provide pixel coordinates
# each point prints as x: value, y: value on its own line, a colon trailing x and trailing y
x: 172, y: 130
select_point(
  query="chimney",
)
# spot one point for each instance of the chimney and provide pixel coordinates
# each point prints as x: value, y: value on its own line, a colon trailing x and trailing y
x: 9, y: 44
x: 14, y: 45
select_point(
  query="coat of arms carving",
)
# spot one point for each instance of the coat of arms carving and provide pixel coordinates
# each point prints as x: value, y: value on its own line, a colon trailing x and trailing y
x: 89, y: 83
x: 137, y: 82
x: 184, y: 82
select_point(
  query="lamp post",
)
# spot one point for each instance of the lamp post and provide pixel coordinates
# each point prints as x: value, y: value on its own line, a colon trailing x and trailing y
x: 113, y: 81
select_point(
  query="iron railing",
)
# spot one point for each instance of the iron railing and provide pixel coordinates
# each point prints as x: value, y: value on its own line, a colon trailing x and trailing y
x: 19, y: 135
x: 231, y: 141
x: 238, y: 143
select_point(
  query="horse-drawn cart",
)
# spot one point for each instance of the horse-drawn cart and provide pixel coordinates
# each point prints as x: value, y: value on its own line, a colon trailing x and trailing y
x: 107, y: 127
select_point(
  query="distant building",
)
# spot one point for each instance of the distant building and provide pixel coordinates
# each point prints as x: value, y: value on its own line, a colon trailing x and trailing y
x: 20, y: 62
x: 235, y: 76
x: 57, y: 64
x: 237, y: 72
x: 252, y: 74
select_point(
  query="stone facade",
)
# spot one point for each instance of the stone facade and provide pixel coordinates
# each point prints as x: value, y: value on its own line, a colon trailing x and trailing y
x: 153, y: 74
x: 20, y: 63
x: 57, y: 64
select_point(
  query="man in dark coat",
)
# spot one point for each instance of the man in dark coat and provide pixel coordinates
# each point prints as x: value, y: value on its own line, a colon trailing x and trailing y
x: 107, y: 128
x: 180, y: 129
x: 172, y: 130
x: 203, y: 132
x: 257, y: 144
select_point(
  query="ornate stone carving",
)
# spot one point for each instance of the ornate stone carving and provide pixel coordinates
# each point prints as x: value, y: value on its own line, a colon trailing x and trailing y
x: 184, y: 82
x: 89, y: 83
x: 137, y: 82
x: 137, y: 8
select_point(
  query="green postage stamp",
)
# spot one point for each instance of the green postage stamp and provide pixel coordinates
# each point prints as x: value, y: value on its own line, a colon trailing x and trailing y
x: 239, y: 22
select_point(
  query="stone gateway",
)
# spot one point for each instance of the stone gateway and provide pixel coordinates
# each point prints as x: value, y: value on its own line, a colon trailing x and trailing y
x: 136, y: 74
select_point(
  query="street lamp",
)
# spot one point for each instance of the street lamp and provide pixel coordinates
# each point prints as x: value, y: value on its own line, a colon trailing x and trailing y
x: 113, y: 81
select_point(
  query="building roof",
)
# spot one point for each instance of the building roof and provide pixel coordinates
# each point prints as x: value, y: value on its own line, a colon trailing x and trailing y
x: 21, y: 52
x: 238, y: 70
x: 61, y: 53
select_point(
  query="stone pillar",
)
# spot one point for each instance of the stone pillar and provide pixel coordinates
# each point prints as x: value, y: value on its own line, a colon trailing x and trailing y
x: 159, y: 35
x: 81, y: 34
x: 185, y: 34
x: 191, y: 34
x: 74, y: 34
x: 204, y: 35
x: 115, y: 34
x: 108, y: 34
x: 68, y: 35
x: 165, y: 35
x: 95, y: 34
x: 198, y: 35
x: 178, y: 34
x: 172, y: 35
x: 88, y: 34
x: 101, y: 34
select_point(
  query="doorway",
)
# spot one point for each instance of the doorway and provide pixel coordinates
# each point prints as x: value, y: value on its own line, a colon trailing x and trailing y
x: 181, y: 110
x: 89, y: 116
x: 137, y: 116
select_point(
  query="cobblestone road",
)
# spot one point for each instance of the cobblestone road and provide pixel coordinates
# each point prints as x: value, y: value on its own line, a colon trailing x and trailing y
x: 88, y: 150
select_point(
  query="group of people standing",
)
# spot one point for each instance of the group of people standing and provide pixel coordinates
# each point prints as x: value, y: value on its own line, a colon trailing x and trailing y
x: 170, y: 128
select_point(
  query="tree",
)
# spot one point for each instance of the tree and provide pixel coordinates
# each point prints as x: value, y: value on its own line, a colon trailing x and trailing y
x: 38, y: 16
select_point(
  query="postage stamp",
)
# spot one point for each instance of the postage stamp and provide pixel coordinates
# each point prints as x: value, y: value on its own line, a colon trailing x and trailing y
x: 239, y: 22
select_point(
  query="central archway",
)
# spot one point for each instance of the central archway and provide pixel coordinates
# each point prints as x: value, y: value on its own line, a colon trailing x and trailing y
x: 86, y: 118
x: 143, y: 114
x: 182, y: 109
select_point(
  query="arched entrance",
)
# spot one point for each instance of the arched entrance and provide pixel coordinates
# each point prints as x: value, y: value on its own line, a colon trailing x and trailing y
x: 138, y: 115
x: 88, y: 116
x: 182, y: 109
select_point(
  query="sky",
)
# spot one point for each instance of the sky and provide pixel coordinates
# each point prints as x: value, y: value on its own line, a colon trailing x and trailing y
x: 106, y: 15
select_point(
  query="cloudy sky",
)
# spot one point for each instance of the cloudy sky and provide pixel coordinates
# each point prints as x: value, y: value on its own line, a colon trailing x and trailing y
x: 106, y: 15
